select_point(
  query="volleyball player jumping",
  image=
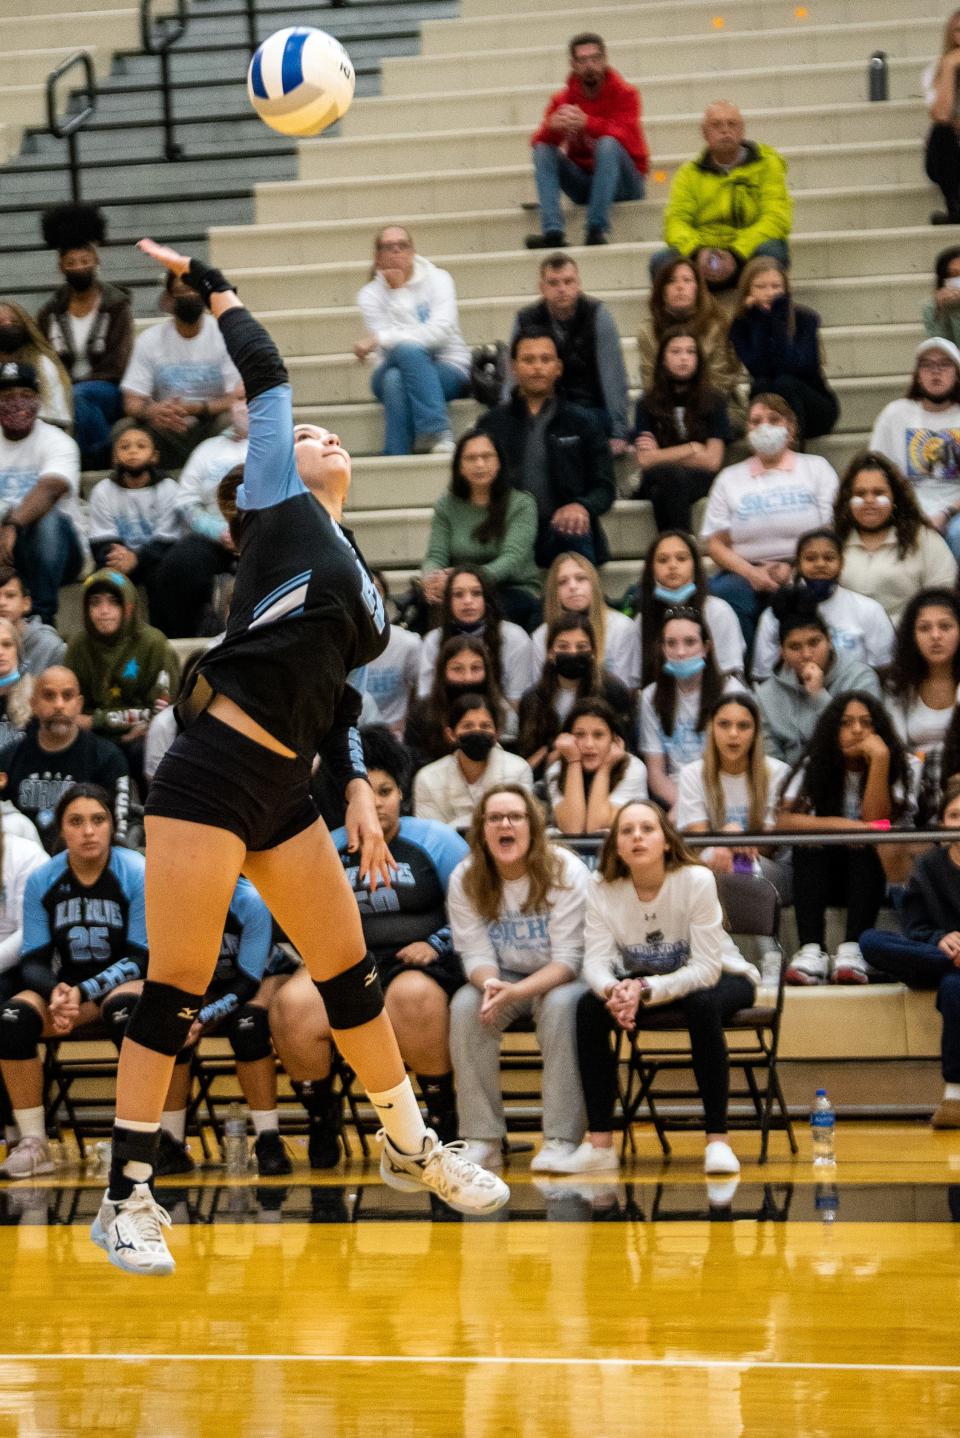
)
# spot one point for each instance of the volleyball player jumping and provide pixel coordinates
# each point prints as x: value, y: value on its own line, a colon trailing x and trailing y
x: 232, y: 795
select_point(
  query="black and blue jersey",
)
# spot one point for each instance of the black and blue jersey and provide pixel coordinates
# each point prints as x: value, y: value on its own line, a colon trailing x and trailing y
x: 89, y: 935
x: 305, y: 612
x: 413, y: 909
x: 247, y: 955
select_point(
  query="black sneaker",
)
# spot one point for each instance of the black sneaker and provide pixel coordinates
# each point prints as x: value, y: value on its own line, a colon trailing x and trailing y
x: 595, y: 237
x: 552, y: 240
x: 172, y: 1156
x: 323, y: 1143
x: 945, y: 217
x: 272, y: 1158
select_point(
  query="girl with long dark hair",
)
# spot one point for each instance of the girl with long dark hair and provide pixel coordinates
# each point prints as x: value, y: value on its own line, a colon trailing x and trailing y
x: 673, y: 574
x: 679, y: 296
x: 471, y: 605
x: 463, y: 667
x: 921, y: 688
x: 593, y: 773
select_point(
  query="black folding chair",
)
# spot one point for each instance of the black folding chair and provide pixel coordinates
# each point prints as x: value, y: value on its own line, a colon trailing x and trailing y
x: 752, y: 906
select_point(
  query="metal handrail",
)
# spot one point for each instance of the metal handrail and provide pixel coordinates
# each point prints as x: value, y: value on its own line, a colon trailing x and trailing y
x: 158, y: 34
x: 783, y: 838
x: 67, y: 129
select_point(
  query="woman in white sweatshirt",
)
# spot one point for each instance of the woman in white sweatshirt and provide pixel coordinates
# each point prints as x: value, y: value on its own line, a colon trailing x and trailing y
x: 409, y: 307
x: 516, y: 913
x: 654, y: 936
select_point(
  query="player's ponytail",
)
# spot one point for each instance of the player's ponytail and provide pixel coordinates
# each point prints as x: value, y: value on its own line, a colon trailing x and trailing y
x: 227, y: 500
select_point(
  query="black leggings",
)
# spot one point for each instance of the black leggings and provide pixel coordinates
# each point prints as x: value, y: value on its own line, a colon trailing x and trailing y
x: 853, y: 878
x: 672, y: 489
x: 817, y: 410
x: 182, y: 586
x: 943, y: 164
x: 703, y: 1013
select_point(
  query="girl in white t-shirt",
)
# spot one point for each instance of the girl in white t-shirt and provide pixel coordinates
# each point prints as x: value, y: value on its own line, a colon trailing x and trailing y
x: 516, y: 913
x: 594, y: 774
x: 673, y: 574
x: 573, y: 587
x: 470, y: 606
x: 859, y: 626
x: 922, y: 684
x: 734, y: 788
x: 674, y: 709
x: 655, y: 936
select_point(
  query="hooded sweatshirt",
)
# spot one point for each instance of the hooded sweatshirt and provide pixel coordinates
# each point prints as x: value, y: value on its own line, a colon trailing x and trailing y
x: 790, y: 714
x: 422, y: 312
x: 614, y: 110
x: 122, y: 677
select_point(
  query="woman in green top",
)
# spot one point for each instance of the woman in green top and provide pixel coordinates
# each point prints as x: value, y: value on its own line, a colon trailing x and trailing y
x: 482, y: 520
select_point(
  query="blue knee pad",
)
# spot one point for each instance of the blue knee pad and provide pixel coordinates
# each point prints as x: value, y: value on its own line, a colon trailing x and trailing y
x: 20, y: 1028
x: 249, y: 1033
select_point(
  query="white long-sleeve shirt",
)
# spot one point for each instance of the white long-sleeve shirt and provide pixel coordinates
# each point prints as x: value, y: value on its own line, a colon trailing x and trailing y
x: 20, y: 858
x: 440, y: 790
x: 422, y: 312
x: 677, y: 941
x: 134, y: 516
x: 517, y: 943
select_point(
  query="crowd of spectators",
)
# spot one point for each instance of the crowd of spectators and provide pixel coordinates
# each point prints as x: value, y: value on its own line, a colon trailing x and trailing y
x: 786, y: 659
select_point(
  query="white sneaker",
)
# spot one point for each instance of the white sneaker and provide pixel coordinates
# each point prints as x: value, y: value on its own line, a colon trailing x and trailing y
x: 131, y: 1232
x: 809, y: 965
x: 551, y: 1150
x: 720, y: 1158
x: 720, y: 1195
x: 443, y: 1169
x: 587, y: 1159
x: 849, y: 965
x: 30, y: 1156
x: 482, y: 1151
x: 446, y: 444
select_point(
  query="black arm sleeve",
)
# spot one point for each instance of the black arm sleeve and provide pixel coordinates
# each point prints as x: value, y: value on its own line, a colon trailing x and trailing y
x: 242, y: 988
x: 253, y: 352
x: 341, y: 750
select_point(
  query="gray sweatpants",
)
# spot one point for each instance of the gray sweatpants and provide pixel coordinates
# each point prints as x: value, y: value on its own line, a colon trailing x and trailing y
x: 475, y: 1048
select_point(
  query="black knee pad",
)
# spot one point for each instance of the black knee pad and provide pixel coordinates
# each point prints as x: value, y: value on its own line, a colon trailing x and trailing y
x: 115, y: 1014
x: 353, y: 997
x: 20, y: 1028
x: 163, y: 1017
x: 249, y: 1033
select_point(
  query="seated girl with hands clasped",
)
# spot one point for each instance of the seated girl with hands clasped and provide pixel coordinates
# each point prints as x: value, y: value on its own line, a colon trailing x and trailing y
x: 655, y: 937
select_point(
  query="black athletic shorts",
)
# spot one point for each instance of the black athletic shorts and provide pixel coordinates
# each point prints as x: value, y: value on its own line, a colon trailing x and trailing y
x: 446, y: 971
x: 212, y: 774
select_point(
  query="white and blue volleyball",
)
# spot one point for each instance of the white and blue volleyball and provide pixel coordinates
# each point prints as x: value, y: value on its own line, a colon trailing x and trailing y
x: 300, y: 81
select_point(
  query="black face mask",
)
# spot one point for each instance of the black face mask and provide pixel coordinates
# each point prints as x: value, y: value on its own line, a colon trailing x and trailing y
x: 476, y: 745
x: 135, y: 471
x: 573, y: 666
x: 474, y: 629
x: 80, y: 280
x: 188, y: 309
x: 453, y: 691
x: 12, y: 337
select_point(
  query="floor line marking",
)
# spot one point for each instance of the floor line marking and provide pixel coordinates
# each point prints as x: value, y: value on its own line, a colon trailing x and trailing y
x: 485, y: 1359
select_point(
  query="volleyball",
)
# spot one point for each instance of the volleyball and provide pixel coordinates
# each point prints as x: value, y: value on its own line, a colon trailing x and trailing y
x: 300, y: 81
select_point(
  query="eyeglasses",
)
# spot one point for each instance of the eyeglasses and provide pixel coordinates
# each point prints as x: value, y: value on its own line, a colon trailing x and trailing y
x: 394, y: 245
x: 938, y: 365
x: 495, y: 821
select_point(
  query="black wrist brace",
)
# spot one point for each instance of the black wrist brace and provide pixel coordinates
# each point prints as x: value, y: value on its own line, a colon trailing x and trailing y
x: 207, y: 281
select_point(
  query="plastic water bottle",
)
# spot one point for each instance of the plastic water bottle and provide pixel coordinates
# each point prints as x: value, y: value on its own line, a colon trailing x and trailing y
x: 823, y: 1123
x: 236, y: 1156
x: 877, y: 79
x: 827, y: 1202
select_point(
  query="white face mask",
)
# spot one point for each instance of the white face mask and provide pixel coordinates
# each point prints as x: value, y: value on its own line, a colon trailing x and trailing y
x: 768, y: 439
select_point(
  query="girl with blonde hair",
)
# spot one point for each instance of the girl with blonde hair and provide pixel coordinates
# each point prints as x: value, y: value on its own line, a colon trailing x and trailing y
x: 573, y: 587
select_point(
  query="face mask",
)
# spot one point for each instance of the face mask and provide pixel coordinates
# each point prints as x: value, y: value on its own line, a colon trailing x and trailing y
x: 453, y: 691
x: 478, y: 626
x: 476, y: 745
x: 768, y: 439
x: 674, y: 596
x: 12, y: 337
x: 573, y: 666
x: 79, y: 280
x: 10, y: 679
x: 18, y: 414
x: 188, y: 309
x: 820, y: 589
x: 135, y: 471
x: 685, y: 668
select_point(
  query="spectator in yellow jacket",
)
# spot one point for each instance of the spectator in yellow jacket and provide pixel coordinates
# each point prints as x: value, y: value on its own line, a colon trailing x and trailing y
x: 728, y: 204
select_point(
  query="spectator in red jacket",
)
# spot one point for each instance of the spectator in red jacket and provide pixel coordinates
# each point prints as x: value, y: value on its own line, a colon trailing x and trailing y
x: 589, y: 145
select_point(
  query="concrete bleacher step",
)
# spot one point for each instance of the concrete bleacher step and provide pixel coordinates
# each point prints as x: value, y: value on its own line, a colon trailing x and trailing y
x: 823, y: 84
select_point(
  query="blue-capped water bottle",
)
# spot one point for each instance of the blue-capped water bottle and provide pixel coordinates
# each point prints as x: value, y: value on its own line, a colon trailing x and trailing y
x: 823, y: 1124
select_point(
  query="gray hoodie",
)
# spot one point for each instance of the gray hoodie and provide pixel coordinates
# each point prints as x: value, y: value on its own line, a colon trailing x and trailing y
x: 42, y: 645
x: 790, y: 714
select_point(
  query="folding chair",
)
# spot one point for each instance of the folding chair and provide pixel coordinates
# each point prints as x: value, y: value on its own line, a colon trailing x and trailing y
x: 752, y: 906
x: 89, y: 1114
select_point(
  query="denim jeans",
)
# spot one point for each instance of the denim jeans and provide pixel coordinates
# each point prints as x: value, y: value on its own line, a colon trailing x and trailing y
x: 770, y: 249
x: 922, y: 966
x: 97, y: 405
x: 952, y: 535
x: 742, y: 598
x: 550, y: 543
x: 614, y: 177
x: 413, y: 388
x: 47, y: 553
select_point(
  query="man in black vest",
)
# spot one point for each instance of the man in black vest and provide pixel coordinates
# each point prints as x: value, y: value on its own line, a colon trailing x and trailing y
x: 588, y: 344
x: 554, y: 450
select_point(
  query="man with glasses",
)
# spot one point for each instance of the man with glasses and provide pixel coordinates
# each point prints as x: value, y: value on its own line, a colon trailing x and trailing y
x: 921, y: 435
x: 413, y: 335
x: 590, y: 145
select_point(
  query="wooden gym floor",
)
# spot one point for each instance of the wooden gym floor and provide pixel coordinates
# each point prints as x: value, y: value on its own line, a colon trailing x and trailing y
x: 328, y: 1305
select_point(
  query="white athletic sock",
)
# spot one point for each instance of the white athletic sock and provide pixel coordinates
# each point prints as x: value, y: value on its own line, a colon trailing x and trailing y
x: 175, y: 1123
x: 400, y: 1115
x: 31, y: 1122
x: 263, y: 1119
x: 951, y: 1090
x: 133, y: 1169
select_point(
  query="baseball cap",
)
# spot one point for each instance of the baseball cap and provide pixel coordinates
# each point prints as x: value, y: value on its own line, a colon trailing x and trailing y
x: 946, y: 347
x: 23, y: 376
